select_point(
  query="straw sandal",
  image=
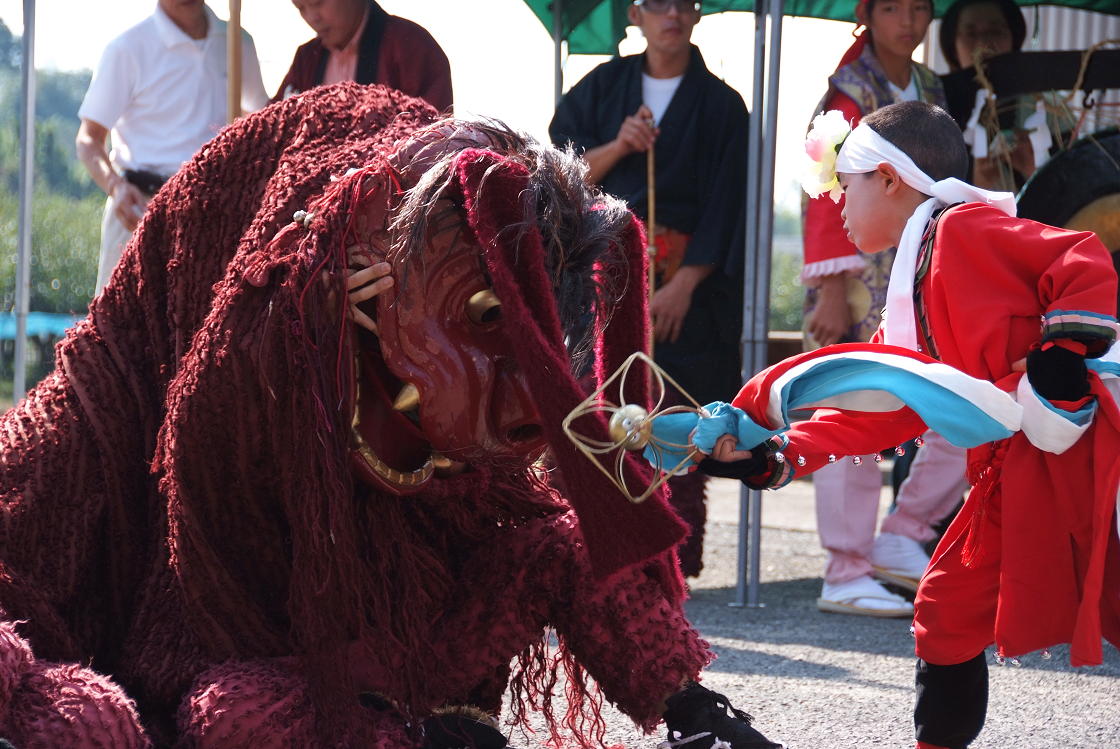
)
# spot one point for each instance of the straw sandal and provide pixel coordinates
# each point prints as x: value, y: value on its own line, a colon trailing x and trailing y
x: 859, y: 597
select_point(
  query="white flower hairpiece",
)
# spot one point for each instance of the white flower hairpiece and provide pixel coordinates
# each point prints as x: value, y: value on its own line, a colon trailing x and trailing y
x: 822, y: 145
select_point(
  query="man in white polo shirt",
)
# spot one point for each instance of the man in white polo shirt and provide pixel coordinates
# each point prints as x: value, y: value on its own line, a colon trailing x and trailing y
x: 160, y: 88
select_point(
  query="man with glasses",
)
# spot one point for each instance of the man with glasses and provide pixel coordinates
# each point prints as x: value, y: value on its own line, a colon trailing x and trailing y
x: 667, y: 100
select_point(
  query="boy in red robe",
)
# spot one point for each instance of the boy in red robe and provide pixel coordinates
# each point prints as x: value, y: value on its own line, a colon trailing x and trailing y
x: 1033, y: 559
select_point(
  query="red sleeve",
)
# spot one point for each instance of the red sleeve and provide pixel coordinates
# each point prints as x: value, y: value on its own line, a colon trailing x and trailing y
x: 997, y: 285
x: 59, y: 488
x: 828, y: 431
x: 1079, y: 293
x: 831, y: 432
x: 827, y: 248
x: 412, y: 61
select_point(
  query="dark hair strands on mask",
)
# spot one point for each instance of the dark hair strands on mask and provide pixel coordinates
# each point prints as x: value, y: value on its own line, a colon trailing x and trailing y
x: 585, y: 264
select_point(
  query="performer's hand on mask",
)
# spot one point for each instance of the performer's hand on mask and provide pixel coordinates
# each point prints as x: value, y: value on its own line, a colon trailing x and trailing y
x: 364, y: 284
x: 637, y: 132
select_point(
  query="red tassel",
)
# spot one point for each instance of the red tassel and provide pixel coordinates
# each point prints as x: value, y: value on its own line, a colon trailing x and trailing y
x: 983, y: 474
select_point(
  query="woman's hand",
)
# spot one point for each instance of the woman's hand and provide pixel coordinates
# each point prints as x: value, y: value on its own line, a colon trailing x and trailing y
x: 831, y: 319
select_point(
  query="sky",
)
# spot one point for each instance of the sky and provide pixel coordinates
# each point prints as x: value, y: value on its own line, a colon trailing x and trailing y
x: 501, y: 56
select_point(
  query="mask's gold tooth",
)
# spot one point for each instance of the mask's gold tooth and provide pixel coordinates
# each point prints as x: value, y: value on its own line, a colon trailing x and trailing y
x: 408, y: 399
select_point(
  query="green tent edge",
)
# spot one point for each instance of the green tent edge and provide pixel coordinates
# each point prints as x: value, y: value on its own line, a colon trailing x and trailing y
x: 595, y: 27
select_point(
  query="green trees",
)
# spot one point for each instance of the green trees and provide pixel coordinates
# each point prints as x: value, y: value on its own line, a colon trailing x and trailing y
x: 65, y: 236
x: 66, y: 211
x: 786, y: 293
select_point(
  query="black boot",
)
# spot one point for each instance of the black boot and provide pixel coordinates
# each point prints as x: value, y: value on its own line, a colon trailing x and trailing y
x: 701, y: 713
x: 951, y: 702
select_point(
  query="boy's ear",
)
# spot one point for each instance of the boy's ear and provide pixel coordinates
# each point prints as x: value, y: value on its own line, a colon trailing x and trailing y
x: 891, y: 181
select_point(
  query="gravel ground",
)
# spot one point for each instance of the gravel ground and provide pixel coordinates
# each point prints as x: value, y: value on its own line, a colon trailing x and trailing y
x: 827, y: 681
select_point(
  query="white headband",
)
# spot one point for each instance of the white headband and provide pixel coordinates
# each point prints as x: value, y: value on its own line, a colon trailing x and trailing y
x: 863, y: 151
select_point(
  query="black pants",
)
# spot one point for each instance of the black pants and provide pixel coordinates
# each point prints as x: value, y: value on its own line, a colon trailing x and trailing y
x: 951, y: 702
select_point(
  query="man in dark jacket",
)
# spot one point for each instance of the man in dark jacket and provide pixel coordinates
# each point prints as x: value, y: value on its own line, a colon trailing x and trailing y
x: 358, y: 41
x: 666, y: 99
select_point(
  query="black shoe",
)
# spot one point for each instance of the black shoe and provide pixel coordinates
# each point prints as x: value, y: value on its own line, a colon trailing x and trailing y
x: 709, y: 717
x: 457, y: 731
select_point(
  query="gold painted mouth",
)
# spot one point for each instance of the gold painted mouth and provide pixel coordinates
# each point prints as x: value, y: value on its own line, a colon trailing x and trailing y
x: 403, y: 479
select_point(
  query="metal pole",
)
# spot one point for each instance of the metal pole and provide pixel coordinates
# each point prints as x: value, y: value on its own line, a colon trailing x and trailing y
x: 557, y: 40
x: 26, y: 178
x: 747, y: 343
x: 766, y: 191
x: 233, y: 61
x: 762, y: 268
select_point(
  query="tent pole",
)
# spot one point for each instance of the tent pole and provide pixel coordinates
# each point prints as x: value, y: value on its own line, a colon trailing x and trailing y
x: 26, y: 179
x: 750, y: 499
x: 756, y: 266
x: 762, y: 267
x: 233, y: 61
x: 557, y: 40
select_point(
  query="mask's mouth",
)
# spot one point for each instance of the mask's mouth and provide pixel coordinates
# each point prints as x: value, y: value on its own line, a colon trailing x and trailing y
x: 388, y: 450
x: 525, y: 435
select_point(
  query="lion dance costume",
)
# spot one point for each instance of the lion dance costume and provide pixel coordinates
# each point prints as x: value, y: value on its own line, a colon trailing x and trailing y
x: 230, y: 518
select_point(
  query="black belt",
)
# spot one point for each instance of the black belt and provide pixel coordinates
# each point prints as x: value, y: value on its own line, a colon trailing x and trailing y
x: 145, y: 181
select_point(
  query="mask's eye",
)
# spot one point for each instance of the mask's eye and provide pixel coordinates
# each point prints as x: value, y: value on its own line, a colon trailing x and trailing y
x: 484, y: 307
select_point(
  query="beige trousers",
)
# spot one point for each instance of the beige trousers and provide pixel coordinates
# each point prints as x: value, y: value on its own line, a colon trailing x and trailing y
x: 114, y: 237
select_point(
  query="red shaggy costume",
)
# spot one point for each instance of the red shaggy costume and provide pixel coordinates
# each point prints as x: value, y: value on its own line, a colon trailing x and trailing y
x: 178, y: 513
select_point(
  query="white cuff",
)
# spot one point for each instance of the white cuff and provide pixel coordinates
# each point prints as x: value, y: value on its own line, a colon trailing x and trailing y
x: 1048, y: 428
x: 812, y: 272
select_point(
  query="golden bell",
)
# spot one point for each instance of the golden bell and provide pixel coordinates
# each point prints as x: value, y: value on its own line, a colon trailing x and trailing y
x: 630, y: 426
